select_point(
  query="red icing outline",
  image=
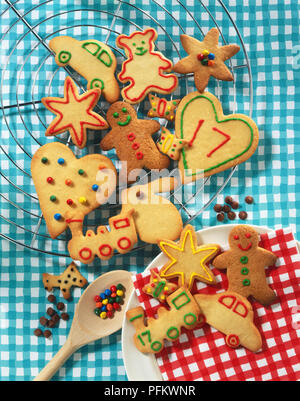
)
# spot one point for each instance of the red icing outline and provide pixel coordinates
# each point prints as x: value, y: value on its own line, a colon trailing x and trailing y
x: 200, y: 122
x: 228, y: 137
x: 240, y: 314
x: 105, y: 246
x: 160, y: 69
x: 229, y: 337
x: 128, y: 242
x: 94, y: 94
x: 85, y: 250
x: 158, y: 107
x: 247, y: 247
x: 68, y: 221
x: 131, y: 136
x: 125, y: 221
x: 227, y: 296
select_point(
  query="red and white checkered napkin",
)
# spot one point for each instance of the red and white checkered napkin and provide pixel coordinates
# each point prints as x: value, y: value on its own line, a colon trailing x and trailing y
x: 201, y: 354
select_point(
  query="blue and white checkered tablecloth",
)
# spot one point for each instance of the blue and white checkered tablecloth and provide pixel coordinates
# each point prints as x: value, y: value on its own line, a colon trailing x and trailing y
x: 270, y: 31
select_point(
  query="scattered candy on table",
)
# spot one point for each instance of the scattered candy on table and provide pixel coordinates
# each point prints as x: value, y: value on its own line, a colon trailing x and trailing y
x: 109, y: 301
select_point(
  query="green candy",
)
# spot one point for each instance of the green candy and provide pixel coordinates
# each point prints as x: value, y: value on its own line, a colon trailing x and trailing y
x: 53, y: 198
x: 120, y: 287
x: 44, y: 160
x: 97, y: 311
x: 81, y: 172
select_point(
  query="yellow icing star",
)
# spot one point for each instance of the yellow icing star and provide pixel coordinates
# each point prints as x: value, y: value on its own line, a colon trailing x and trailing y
x: 209, y: 46
x: 188, y: 261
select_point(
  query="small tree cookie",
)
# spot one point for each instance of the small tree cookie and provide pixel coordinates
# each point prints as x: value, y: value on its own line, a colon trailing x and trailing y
x: 245, y: 263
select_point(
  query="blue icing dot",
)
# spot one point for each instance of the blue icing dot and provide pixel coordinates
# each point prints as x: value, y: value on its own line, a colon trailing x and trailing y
x: 95, y: 187
x: 60, y: 160
x: 57, y: 216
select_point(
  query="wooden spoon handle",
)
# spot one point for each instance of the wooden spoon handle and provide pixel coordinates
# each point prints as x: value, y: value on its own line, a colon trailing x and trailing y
x: 56, y: 362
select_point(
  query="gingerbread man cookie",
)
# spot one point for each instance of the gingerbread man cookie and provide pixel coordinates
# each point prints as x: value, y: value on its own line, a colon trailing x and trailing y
x: 245, y: 263
x: 74, y: 113
x: 205, y: 59
x: 92, y: 59
x: 144, y: 68
x: 132, y: 139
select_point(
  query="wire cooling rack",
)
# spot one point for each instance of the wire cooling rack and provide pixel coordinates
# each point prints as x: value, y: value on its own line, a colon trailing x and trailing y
x: 29, y: 73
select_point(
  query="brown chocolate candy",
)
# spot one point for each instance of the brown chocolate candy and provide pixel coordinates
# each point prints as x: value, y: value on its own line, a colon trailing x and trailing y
x: 218, y: 208
x: 220, y: 216
x: 60, y: 306
x: 249, y: 199
x: 228, y: 200
x: 231, y: 215
x: 51, y: 312
x: 38, y: 332
x: 47, y: 333
x: 243, y: 215
x: 44, y: 321
x: 51, y: 298
x: 65, y: 316
x: 235, y: 205
x: 226, y: 208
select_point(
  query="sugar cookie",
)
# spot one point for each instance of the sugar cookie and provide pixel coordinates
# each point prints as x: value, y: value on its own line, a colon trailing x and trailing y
x: 64, y: 183
x: 74, y: 113
x: 144, y: 68
x: 205, y: 59
x: 162, y: 108
x: 92, y: 59
x: 216, y: 142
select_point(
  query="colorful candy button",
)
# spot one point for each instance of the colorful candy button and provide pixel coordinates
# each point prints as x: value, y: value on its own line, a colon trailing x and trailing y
x: 50, y: 180
x: 82, y: 200
x: 44, y: 160
x: 108, y: 301
x: 60, y: 160
x: 80, y: 171
x: 103, y: 315
x: 53, y: 198
x: 57, y: 216
x: 95, y: 187
x: 68, y: 182
x: 69, y: 202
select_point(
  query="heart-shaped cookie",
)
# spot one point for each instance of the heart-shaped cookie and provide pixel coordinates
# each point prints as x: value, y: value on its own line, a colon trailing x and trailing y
x: 216, y: 142
x: 67, y: 185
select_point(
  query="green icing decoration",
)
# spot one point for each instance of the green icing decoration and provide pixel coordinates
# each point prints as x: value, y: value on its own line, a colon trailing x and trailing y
x: 186, y: 300
x: 156, y: 346
x: 97, y: 83
x: 186, y: 316
x: 64, y: 57
x: 246, y: 282
x: 186, y: 167
x: 244, y: 271
x: 158, y: 289
x: 174, y: 336
x: 136, y: 317
x: 244, y: 259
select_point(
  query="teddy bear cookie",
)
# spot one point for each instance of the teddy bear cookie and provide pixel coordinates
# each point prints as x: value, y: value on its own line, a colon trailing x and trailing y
x: 66, y: 184
x: 74, y: 113
x: 69, y: 278
x: 232, y: 315
x: 205, y: 59
x: 188, y: 261
x: 162, y: 108
x: 146, y: 69
x: 216, y: 142
x: 132, y: 139
x: 92, y: 59
x: 184, y: 312
x: 245, y: 263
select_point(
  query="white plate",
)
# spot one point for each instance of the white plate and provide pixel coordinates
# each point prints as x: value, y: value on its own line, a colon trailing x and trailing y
x: 141, y: 366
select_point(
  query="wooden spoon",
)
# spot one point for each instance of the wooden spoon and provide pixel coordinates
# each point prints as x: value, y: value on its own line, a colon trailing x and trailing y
x: 86, y: 326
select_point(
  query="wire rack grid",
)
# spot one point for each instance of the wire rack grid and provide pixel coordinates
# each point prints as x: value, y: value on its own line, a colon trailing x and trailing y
x: 29, y: 73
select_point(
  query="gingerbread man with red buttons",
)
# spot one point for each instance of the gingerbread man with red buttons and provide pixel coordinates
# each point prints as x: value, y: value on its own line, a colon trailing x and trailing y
x: 132, y: 139
x: 245, y: 263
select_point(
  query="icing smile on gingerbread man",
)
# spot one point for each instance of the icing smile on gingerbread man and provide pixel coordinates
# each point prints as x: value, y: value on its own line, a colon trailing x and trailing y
x: 249, y: 244
x: 128, y: 117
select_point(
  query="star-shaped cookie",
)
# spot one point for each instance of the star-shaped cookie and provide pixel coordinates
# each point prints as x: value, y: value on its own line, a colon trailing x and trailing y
x: 205, y: 59
x: 74, y: 113
x: 159, y: 288
x: 187, y: 260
